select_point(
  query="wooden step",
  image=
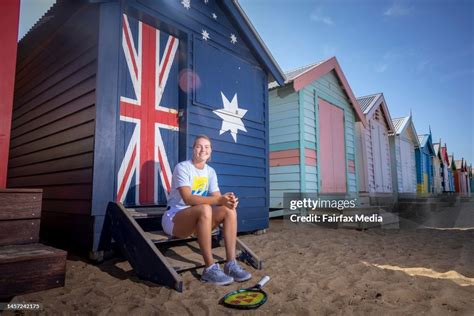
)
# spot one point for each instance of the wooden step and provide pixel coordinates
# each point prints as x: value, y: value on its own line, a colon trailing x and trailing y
x: 20, y: 214
x: 30, y: 268
x: 147, y: 212
x: 149, y: 218
x: 159, y: 236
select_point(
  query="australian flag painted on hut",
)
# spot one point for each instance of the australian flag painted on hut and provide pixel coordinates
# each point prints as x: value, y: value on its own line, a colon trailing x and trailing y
x: 114, y: 94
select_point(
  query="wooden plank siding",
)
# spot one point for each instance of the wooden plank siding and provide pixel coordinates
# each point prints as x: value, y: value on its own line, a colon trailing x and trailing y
x: 52, y: 139
x: 284, y: 145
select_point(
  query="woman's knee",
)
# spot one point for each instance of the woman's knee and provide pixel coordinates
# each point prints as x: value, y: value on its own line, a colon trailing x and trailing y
x: 205, y: 211
x: 230, y: 212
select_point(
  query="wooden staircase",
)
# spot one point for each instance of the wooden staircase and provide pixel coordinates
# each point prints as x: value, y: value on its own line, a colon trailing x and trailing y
x: 155, y: 256
x: 26, y: 265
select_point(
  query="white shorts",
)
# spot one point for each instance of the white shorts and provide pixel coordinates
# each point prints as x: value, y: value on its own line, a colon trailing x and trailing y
x: 167, y: 220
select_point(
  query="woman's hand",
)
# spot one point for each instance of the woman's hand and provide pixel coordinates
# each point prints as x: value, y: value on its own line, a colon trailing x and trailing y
x: 231, y: 200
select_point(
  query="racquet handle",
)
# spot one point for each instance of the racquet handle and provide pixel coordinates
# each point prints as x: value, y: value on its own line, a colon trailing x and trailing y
x: 263, y: 281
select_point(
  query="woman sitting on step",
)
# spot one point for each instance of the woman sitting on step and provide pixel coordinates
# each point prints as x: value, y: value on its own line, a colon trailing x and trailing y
x: 196, y: 206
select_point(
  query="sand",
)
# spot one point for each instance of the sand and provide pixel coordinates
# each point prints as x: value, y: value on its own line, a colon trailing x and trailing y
x: 313, y: 270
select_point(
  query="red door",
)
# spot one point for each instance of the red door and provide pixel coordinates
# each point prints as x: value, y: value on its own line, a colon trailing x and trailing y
x: 332, y: 148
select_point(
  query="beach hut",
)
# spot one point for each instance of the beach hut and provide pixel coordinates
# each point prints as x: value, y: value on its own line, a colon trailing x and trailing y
x: 109, y: 96
x: 437, y: 168
x: 373, y: 150
x: 457, y: 176
x: 312, y: 132
x: 446, y: 173
x: 471, y: 179
x: 424, y: 171
x: 452, y: 167
x: 468, y: 177
x: 461, y: 177
x: 404, y: 141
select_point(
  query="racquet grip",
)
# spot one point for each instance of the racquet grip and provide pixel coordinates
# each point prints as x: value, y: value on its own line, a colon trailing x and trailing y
x: 263, y: 281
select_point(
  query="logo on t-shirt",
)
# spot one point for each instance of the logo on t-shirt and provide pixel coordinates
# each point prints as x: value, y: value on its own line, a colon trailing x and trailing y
x: 200, y: 186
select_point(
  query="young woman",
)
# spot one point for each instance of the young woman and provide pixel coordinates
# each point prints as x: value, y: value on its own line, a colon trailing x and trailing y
x: 195, y: 205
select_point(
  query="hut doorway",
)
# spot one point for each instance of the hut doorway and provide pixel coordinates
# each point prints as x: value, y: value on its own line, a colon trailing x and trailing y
x: 382, y: 178
x: 407, y: 165
x: 333, y: 161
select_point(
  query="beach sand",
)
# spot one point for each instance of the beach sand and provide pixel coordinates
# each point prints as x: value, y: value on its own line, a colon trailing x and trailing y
x: 313, y: 270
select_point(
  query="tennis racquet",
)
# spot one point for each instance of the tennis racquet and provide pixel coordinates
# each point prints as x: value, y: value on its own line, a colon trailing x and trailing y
x: 249, y: 298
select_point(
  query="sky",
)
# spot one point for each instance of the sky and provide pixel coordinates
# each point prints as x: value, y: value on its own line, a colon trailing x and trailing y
x: 30, y: 12
x: 420, y: 54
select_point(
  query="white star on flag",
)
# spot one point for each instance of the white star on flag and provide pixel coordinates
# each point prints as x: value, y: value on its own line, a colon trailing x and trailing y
x: 231, y: 116
x: 214, y: 16
x: 233, y: 38
x: 186, y: 4
x: 205, y: 35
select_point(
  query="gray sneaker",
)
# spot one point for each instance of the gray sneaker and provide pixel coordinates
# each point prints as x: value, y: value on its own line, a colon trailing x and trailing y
x: 233, y: 269
x: 215, y: 275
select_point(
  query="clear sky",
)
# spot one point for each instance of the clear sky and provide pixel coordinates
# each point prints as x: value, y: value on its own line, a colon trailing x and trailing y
x: 420, y: 54
x: 30, y: 12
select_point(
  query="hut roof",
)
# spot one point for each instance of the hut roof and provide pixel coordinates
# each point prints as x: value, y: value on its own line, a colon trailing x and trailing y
x: 401, y: 123
x: 367, y: 102
x: 303, y: 76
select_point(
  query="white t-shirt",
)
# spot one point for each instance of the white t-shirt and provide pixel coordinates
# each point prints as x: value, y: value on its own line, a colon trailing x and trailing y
x: 201, y: 181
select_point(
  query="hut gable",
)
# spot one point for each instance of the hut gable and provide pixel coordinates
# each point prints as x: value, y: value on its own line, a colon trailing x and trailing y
x: 375, y: 107
x: 406, y: 129
x: 426, y: 142
x: 303, y: 76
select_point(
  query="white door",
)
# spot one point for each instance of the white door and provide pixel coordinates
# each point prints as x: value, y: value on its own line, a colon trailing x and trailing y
x: 406, y: 154
x: 386, y: 172
x: 381, y: 155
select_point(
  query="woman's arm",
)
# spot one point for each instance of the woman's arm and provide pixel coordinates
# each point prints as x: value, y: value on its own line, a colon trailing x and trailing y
x: 214, y: 199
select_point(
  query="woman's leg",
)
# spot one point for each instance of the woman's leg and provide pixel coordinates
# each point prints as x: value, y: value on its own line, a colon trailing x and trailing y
x: 197, y: 218
x: 228, y: 216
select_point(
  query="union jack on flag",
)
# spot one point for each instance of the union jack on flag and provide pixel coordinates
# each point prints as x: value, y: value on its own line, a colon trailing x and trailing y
x: 145, y: 167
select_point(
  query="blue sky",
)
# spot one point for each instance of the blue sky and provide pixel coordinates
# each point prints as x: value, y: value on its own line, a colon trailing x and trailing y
x: 420, y: 54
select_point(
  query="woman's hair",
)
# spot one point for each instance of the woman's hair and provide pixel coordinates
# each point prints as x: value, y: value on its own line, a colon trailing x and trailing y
x: 199, y: 137
x: 204, y: 137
